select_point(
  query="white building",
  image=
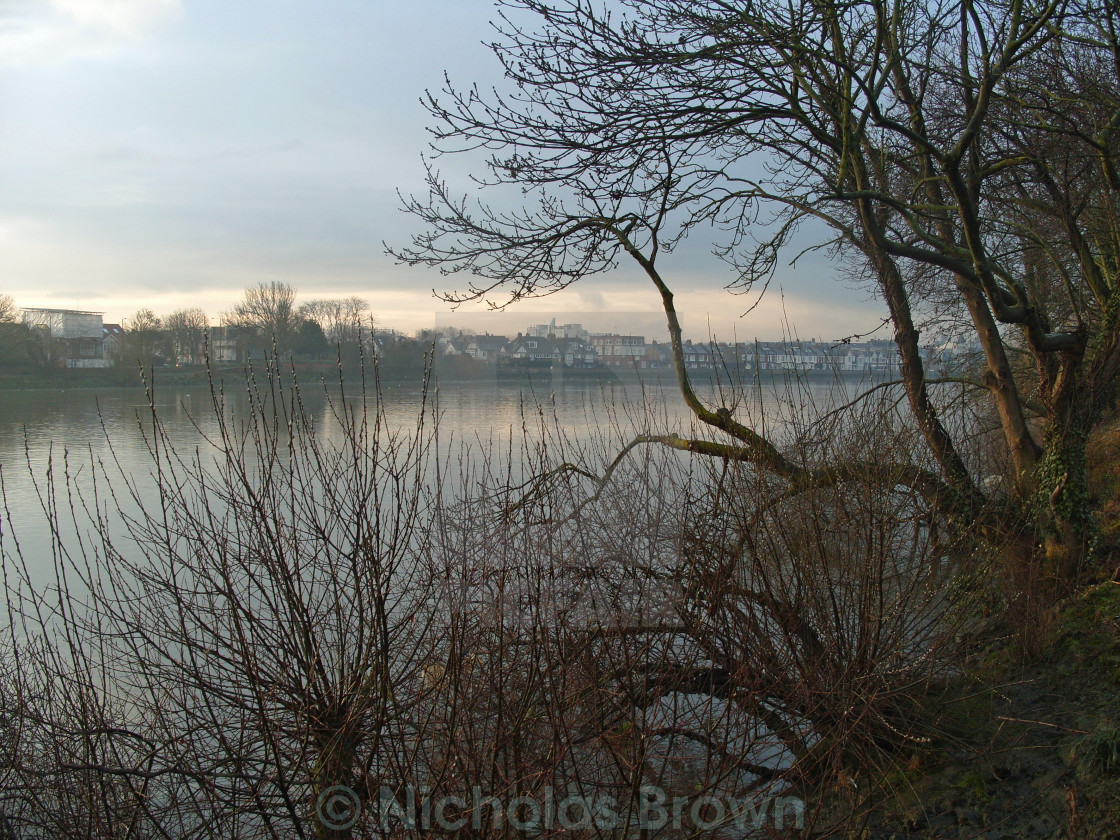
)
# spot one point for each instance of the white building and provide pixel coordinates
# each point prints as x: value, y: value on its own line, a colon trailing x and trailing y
x: 80, y: 334
x: 554, y: 330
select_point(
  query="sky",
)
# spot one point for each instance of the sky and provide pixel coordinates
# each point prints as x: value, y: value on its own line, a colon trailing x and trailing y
x: 170, y: 153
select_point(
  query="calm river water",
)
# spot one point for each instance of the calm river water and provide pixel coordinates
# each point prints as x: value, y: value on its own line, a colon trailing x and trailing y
x: 42, y: 428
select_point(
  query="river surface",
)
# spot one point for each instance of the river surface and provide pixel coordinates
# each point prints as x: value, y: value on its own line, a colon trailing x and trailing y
x: 64, y: 430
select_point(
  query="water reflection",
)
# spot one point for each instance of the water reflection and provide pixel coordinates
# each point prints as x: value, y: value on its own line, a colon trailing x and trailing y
x: 66, y: 431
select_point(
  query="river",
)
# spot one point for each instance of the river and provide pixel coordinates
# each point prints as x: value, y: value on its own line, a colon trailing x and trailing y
x: 64, y: 430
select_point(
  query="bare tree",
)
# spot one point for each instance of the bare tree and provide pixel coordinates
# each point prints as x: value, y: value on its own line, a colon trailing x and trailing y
x: 186, y: 333
x: 340, y: 318
x: 255, y: 636
x: 9, y: 312
x: 899, y: 127
x: 145, y: 335
x: 16, y: 346
x: 268, y: 310
x: 347, y: 324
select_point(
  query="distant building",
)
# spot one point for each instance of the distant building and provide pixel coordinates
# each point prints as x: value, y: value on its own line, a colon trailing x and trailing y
x: 552, y: 330
x: 875, y: 356
x: 659, y: 355
x: 620, y: 351
x: 569, y: 352
x: 452, y: 346
x: 698, y: 356
x: 112, y: 342
x: 229, y: 344
x: 531, y: 348
x: 485, y: 348
x: 577, y: 353
x: 79, y: 335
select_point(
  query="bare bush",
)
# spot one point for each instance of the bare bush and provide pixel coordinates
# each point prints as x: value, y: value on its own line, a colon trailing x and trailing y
x: 316, y: 597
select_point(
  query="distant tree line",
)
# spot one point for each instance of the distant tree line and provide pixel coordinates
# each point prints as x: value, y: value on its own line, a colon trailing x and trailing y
x: 266, y: 322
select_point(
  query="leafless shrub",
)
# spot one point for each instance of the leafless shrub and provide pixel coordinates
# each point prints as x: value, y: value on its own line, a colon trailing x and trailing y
x: 316, y: 597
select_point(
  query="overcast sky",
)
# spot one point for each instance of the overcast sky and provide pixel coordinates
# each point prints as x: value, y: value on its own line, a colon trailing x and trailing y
x: 168, y: 153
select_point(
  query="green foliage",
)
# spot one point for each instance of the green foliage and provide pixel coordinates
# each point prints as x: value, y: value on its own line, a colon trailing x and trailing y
x: 973, y: 786
x: 1100, y: 750
x: 1087, y: 630
x: 1095, y: 608
x: 1062, y: 476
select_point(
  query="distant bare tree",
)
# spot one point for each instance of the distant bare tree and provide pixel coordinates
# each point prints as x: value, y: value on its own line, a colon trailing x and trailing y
x: 186, y: 333
x: 17, y: 350
x: 340, y: 318
x: 9, y: 312
x: 346, y: 322
x: 269, y: 311
x: 145, y: 336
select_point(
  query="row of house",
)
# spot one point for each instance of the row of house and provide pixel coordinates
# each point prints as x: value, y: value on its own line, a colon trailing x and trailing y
x: 572, y: 346
x: 628, y: 351
x: 570, y: 352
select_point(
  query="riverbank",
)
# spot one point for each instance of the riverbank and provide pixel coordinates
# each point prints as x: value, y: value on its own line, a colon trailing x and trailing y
x: 1024, y: 750
x: 445, y: 371
x: 1025, y: 740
